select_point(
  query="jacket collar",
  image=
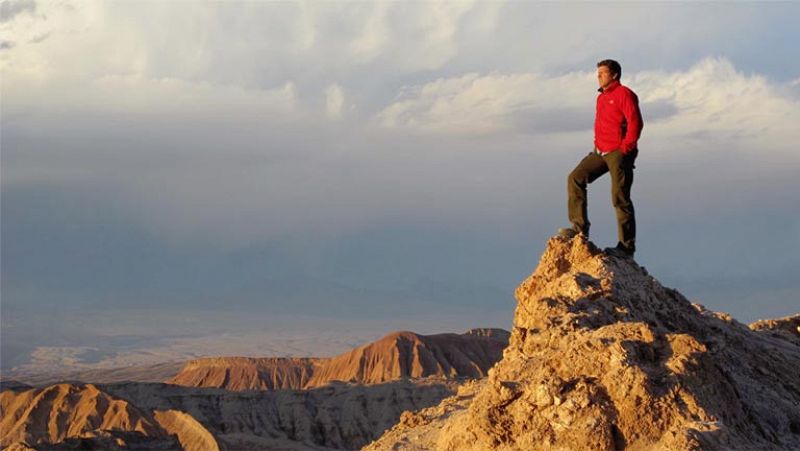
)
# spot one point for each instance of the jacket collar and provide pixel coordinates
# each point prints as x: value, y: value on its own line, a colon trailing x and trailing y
x: 614, y: 85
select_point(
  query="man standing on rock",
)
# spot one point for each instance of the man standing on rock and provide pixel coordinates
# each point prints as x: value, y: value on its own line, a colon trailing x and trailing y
x: 617, y: 126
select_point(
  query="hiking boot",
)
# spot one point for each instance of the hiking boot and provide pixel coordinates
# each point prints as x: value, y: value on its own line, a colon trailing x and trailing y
x: 569, y: 232
x: 620, y: 250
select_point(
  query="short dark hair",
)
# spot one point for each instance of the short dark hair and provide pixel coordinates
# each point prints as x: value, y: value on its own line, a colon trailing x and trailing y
x: 613, y: 66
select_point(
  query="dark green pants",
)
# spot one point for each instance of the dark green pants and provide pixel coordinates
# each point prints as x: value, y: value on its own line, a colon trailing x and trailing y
x: 588, y: 170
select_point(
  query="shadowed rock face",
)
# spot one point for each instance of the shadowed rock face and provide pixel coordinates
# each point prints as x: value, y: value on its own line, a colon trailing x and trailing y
x: 395, y: 356
x: 604, y: 357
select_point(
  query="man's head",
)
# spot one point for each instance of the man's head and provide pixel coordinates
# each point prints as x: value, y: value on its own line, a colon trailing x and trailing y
x: 608, y: 71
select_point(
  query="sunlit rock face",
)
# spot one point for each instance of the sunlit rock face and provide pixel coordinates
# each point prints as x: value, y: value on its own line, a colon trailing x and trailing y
x: 603, y: 357
x: 150, y: 416
x: 398, y: 355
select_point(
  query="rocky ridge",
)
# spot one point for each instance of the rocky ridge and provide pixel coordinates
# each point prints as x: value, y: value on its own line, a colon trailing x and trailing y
x: 603, y: 357
x: 149, y: 416
x: 80, y: 414
x: 397, y: 355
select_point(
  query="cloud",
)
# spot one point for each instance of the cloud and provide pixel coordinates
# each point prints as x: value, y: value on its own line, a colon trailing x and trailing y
x: 134, y: 93
x: 710, y: 98
x: 713, y: 98
x: 36, y: 58
x: 334, y: 100
x: 64, y: 46
x: 10, y: 8
x: 197, y: 162
x: 433, y: 28
x: 371, y: 49
x: 494, y: 103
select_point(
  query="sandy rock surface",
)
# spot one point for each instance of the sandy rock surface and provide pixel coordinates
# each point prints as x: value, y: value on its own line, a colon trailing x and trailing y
x: 151, y: 416
x: 603, y: 357
x: 64, y: 410
x: 336, y: 416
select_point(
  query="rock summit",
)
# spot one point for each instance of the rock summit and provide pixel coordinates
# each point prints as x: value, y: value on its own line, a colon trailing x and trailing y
x: 604, y: 357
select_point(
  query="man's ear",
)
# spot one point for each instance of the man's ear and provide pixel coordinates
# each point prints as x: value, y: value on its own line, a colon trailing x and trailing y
x: 616, y: 76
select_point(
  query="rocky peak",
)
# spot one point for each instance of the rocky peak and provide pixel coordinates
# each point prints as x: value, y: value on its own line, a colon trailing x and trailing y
x: 602, y: 356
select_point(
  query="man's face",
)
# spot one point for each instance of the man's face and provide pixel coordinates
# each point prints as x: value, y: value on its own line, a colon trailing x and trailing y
x: 604, y: 77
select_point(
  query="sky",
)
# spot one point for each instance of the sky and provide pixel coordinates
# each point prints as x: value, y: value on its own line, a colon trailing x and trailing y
x: 258, y: 178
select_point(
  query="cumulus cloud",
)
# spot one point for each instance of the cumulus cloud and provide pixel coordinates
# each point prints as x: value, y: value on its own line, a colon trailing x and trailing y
x: 63, y: 47
x: 371, y: 49
x: 433, y: 30
x: 475, y: 104
x: 711, y: 98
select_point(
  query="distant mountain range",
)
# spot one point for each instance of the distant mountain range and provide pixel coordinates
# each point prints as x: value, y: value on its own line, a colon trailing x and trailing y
x: 249, y: 403
x: 395, y: 356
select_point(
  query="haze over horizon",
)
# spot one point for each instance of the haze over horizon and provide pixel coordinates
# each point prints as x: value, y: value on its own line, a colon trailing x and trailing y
x: 191, y: 178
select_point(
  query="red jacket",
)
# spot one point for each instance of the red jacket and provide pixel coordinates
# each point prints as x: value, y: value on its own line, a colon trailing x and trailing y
x: 618, y: 122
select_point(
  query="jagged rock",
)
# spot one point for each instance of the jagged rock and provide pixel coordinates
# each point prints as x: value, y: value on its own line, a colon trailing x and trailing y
x: 787, y: 328
x: 604, y: 357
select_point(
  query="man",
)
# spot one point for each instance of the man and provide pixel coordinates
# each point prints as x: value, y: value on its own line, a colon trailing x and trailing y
x: 617, y: 126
